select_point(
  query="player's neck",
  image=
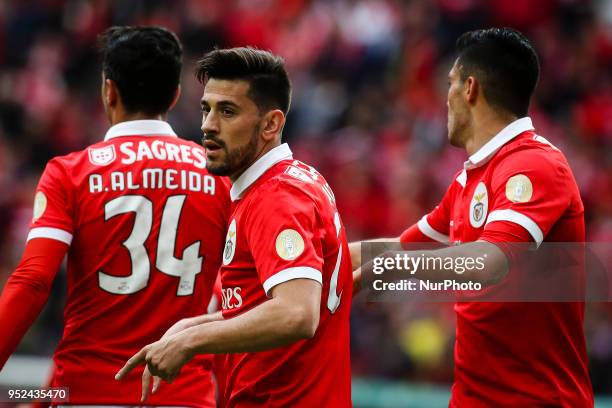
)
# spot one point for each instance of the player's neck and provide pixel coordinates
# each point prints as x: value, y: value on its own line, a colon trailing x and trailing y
x: 118, y: 117
x: 261, y: 152
x: 485, y: 129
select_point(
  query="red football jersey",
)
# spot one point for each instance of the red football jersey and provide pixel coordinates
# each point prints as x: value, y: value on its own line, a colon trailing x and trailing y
x: 146, y: 225
x: 516, y: 187
x: 285, y: 226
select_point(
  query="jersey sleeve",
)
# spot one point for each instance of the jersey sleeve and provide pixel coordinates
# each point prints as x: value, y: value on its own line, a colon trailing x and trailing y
x: 532, y: 194
x: 53, y: 209
x: 284, y: 236
x: 413, y: 234
x: 435, y: 225
x: 27, y: 290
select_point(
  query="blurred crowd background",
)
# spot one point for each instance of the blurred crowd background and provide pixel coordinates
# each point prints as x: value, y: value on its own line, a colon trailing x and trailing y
x: 369, y: 111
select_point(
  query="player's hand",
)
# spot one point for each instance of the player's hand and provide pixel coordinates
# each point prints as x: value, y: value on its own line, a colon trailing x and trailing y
x: 146, y: 375
x: 177, y: 327
x: 164, y: 359
x: 146, y: 384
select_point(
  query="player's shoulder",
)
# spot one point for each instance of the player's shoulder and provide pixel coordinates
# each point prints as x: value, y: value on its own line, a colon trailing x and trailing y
x: 67, y: 162
x: 300, y: 176
x: 66, y: 170
x: 293, y: 181
x: 74, y: 163
x: 532, y: 151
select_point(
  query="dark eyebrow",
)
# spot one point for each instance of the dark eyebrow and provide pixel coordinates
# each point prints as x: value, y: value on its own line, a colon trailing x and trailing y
x: 220, y: 104
x: 227, y: 104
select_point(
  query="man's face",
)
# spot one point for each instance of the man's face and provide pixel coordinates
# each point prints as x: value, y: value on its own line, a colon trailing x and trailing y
x: 231, y: 126
x: 458, y: 112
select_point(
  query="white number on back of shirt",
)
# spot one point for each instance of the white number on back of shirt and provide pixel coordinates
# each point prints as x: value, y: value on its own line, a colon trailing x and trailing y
x: 185, y: 269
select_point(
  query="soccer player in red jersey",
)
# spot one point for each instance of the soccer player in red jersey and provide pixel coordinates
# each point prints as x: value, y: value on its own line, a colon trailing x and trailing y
x: 515, y: 187
x: 143, y: 224
x: 286, y: 274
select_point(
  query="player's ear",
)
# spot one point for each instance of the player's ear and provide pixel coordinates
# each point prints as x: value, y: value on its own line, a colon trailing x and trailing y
x: 471, y: 89
x: 273, y: 123
x: 177, y: 95
x: 110, y: 93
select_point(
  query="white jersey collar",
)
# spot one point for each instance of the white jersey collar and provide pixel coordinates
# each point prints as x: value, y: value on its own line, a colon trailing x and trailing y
x: 146, y: 127
x: 492, y: 146
x: 257, y: 169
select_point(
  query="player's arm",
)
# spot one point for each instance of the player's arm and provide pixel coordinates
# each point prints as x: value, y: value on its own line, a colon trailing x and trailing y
x: 432, y: 228
x: 27, y: 291
x: 355, y: 249
x: 490, y: 259
x: 529, y: 198
x: 50, y: 236
x: 189, y: 322
x: 291, y: 314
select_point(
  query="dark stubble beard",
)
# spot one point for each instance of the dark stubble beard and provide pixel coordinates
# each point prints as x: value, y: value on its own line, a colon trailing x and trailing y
x: 236, y: 160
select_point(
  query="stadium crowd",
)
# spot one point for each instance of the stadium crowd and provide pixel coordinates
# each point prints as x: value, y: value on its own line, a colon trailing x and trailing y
x: 368, y: 111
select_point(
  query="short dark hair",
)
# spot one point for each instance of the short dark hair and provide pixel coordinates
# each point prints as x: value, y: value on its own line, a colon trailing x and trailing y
x: 145, y: 63
x: 269, y: 85
x: 504, y: 62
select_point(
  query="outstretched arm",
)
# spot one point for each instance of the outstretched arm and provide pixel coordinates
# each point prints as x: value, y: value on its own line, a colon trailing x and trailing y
x: 27, y: 291
x: 355, y: 249
x: 411, y: 235
x: 291, y: 315
x: 489, y: 264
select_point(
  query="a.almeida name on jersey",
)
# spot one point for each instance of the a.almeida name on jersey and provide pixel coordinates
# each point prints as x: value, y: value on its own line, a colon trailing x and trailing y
x: 152, y: 179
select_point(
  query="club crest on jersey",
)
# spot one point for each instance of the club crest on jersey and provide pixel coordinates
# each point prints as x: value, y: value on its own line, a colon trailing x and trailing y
x: 479, y: 206
x: 230, y: 244
x: 102, y: 156
x: 289, y: 244
x: 519, y: 189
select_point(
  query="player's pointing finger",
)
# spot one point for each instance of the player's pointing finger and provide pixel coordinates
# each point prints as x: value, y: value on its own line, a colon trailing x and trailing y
x: 134, y: 361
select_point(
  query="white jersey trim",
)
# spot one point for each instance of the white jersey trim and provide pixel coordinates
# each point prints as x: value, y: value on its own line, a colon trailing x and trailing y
x: 147, y: 127
x: 520, y: 219
x: 494, y: 144
x: 462, y: 178
x: 298, y: 272
x: 257, y: 169
x: 52, y: 233
x: 427, y: 229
